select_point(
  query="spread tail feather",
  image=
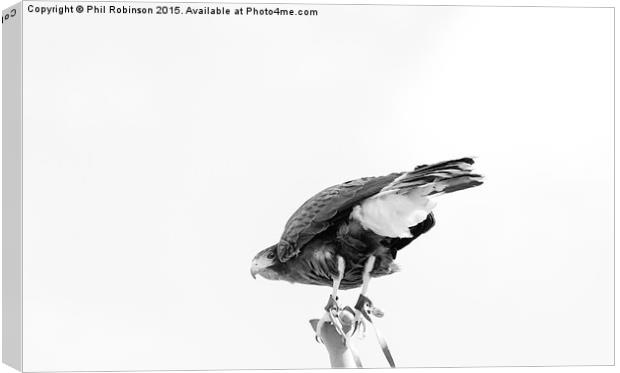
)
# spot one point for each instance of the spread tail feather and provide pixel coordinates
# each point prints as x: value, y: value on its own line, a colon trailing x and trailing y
x: 407, y: 201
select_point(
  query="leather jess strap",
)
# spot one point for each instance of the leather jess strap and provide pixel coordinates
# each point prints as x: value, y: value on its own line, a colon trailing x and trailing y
x: 365, y: 308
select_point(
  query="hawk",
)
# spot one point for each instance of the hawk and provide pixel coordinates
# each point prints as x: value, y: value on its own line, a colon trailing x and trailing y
x: 350, y: 232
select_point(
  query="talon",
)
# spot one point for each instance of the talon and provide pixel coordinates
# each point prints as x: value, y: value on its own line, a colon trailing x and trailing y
x: 356, y: 326
x: 362, y: 329
x: 338, y: 326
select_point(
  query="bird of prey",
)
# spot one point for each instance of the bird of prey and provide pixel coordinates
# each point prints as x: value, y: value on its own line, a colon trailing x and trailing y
x: 350, y: 232
x: 360, y: 225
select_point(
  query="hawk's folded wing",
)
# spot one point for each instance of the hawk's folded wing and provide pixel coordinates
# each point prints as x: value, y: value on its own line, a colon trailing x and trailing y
x: 405, y: 193
x: 319, y: 212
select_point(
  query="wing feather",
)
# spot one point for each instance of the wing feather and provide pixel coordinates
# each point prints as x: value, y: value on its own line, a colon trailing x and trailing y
x: 399, y: 201
x: 319, y: 212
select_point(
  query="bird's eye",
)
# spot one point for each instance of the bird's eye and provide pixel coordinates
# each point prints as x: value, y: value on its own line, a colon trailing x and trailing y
x: 271, y: 255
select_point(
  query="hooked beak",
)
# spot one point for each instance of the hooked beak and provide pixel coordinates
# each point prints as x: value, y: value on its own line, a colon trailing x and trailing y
x: 254, y: 270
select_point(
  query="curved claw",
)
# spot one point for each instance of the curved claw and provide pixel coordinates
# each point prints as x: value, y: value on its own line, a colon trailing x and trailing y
x: 360, y: 329
x: 360, y: 324
x: 337, y: 324
x: 357, y: 322
x: 363, y: 329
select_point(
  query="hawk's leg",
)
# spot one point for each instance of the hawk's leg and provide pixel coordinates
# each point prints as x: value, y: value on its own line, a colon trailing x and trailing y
x: 364, y: 305
x: 338, y: 279
x: 364, y: 308
x: 332, y: 308
x: 370, y: 263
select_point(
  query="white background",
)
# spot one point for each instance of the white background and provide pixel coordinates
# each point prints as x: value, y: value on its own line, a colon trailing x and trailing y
x: 170, y: 155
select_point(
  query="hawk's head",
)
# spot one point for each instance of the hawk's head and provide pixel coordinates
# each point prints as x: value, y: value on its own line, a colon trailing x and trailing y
x: 264, y: 262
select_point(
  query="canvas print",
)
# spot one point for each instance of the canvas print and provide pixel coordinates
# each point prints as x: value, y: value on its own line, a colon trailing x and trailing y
x: 222, y: 186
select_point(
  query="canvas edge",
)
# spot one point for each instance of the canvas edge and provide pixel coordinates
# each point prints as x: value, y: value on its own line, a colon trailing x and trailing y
x: 12, y: 341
